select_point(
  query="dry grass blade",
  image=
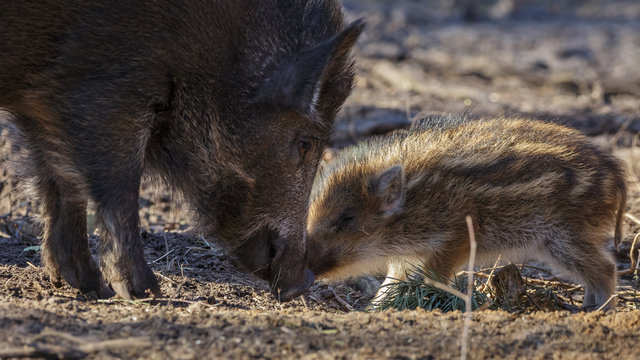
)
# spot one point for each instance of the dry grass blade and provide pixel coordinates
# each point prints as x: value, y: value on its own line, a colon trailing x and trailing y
x: 163, y: 256
x: 614, y: 296
x: 444, y: 287
x: 632, y: 218
x: 341, y: 300
x: 493, y: 269
x: 467, y: 318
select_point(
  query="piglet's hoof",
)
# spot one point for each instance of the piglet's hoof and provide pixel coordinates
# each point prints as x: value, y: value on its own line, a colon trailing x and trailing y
x: 368, y: 285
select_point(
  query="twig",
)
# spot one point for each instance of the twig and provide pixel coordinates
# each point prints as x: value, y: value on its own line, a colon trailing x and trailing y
x: 304, y: 302
x: 163, y: 256
x: 445, y: 287
x: 607, y: 302
x: 552, y: 283
x: 495, y: 265
x: 164, y: 277
x: 341, y: 300
x: 467, y: 299
x: 206, y: 242
x: 577, y: 287
x: 314, y: 298
x: 442, y: 286
x: 629, y: 298
x: 632, y: 218
x: 195, y: 248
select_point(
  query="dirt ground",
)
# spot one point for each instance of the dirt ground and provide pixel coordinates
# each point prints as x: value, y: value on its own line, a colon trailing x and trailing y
x: 574, y: 61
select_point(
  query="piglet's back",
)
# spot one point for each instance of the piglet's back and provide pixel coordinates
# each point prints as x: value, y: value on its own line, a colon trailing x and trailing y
x: 501, y: 168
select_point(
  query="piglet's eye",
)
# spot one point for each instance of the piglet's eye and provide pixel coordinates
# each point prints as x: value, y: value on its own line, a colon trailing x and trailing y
x: 344, y: 221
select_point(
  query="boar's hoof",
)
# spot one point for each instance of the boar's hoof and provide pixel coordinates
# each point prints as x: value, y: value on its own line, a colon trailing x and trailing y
x: 123, y: 289
x: 82, y: 275
x: 55, y: 278
x: 141, y: 284
x: 105, y: 291
x: 284, y: 295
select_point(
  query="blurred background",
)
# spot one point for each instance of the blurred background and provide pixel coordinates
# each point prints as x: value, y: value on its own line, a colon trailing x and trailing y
x: 569, y: 60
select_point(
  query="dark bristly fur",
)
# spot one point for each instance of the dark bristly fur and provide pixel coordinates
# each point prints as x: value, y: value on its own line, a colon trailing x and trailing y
x: 534, y: 190
x: 230, y: 102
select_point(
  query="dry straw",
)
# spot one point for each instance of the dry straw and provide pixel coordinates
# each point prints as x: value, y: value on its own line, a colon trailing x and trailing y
x: 467, y: 298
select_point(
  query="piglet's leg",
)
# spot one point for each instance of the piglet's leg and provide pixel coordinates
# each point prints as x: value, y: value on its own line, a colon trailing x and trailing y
x: 396, y: 271
x: 592, y: 265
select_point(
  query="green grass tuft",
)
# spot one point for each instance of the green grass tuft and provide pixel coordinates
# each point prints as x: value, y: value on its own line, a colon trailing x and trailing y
x: 415, y: 293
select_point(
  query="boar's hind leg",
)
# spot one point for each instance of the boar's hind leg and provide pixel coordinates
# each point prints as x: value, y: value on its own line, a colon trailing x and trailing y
x: 121, y: 254
x: 65, y: 249
x: 592, y: 266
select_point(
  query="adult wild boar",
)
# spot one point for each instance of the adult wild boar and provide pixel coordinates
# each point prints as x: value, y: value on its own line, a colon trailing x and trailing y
x: 231, y: 102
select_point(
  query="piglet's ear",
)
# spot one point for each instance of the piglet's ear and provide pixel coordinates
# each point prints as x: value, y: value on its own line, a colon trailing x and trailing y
x: 297, y: 82
x: 389, y: 189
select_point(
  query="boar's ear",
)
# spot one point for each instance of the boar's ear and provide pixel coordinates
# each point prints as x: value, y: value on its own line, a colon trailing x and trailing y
x: 296, y: 84
x: 389, y: 189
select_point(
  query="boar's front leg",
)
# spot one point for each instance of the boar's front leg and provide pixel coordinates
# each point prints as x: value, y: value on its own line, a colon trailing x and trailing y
x: 65, y: 249
x: 121, y: 254
x: 115, y: 187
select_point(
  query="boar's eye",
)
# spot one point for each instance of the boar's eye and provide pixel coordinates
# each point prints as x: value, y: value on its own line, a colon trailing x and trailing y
x: 272, y: 251
x: 305, y: 147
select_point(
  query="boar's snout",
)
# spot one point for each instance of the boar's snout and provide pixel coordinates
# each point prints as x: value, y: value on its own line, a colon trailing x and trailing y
x: 284, y: 293
x: 281, y: 260
x: 289, y: 275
